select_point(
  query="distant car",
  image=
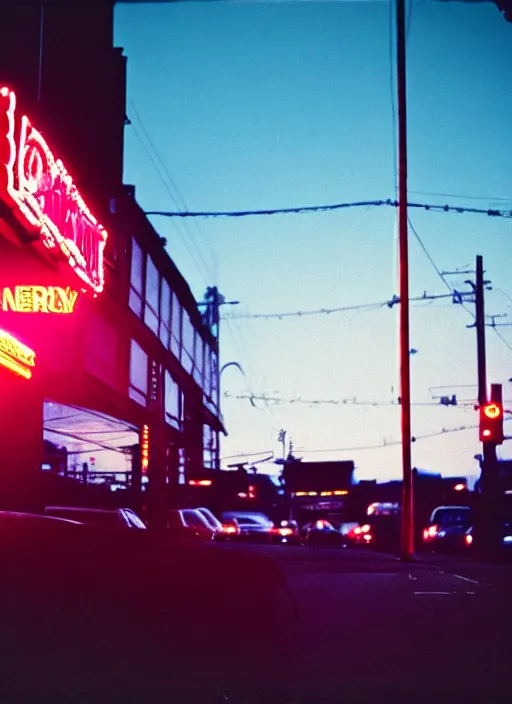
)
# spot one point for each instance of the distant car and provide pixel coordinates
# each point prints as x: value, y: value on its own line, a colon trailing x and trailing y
x: 115, y: 518
x: 447, y: 527
x: 320, y: 532
x: 506, y: 536
x: 359, y: 534
x: 253, y: 526
x: 223, y: 531
x: 189, y: 524
x: 287, y: 533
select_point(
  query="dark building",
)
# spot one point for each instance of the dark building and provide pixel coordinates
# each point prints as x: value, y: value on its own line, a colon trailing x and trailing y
x: 125, y: 372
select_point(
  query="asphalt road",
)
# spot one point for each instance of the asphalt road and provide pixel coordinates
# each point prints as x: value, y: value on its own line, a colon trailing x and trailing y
x: 373, y: 628
x: 87, y: 616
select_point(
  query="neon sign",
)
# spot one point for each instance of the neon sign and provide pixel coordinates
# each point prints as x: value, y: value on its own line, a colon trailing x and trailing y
x: 16, y: 356
x: 46, y: 199
x: 144, y: 449
x: 38, y: 299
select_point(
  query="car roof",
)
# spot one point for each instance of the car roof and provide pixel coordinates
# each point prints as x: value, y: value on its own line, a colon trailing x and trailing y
x: 19, y: 515
x: 82, y: 509
x: 452, y: 508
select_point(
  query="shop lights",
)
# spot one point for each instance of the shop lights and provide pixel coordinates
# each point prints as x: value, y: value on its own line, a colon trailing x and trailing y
x: 45, y: 197
x: 144, y: 449
x: 38, y: 299
x: 16, y: 356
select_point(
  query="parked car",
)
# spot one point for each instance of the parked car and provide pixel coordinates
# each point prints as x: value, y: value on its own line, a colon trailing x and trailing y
x: 253, y: 526
x: 223, y: 531
x: 320, y: 532
x: 447, y: 528
x: 189, y: 524
x: 116, y: 518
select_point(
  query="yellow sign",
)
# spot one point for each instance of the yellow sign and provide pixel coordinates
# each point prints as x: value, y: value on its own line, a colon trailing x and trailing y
x: 16, y: 356
x: 38, y: 299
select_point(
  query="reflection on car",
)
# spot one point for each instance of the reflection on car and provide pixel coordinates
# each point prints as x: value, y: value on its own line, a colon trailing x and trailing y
x: 189, y: 524
x: 116, y: 518
x: 254, y: 526
x: 223, y: 531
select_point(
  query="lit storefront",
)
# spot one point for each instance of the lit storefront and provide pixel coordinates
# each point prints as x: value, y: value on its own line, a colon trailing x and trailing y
x: 104, y: 356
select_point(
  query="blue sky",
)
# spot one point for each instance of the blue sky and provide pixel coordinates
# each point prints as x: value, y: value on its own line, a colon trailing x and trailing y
x: 254, y: 106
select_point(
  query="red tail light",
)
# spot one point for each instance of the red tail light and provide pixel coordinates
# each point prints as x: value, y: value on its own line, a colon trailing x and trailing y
x: 229, y: 530
x: 430, y: 532
x: 468, y: 539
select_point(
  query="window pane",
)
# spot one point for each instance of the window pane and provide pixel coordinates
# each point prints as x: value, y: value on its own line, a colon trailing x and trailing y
x: 172, y: 397
x: 176, y: 327
x: 152, y: 285
x: 138, y: 368
x: 135, y: 302
x: 165, y: 313
x: 137, y: 267
x: 188, y: 335
x: 151, y: 319
x: 198, y: 358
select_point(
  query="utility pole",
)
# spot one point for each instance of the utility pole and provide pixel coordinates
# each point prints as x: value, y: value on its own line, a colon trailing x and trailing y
x: 407, y: 517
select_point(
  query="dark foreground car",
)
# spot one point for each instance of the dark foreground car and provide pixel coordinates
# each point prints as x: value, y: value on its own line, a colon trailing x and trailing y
x: 99, y: 615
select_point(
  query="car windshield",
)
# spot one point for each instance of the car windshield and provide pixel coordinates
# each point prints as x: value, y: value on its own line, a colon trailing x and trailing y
x: 210, y: 518
x: 452, y: 517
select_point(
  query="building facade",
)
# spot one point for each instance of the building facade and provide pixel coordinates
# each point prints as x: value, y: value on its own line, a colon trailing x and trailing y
x: 123, y: 366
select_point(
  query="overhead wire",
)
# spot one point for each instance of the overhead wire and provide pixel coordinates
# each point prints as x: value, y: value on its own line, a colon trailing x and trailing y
x: 433, y: 207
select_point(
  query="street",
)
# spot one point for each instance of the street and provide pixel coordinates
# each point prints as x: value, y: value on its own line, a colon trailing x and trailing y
x: 372, y: 628
x: 131, y: 617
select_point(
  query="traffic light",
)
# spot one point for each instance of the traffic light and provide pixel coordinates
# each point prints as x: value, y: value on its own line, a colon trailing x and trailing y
x: 491, y: 423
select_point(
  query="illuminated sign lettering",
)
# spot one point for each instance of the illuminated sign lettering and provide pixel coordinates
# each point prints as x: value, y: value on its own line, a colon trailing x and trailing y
x: 16, y: 356
x: 38, y: 299
x: 45, y: 197
x: 144, y: 449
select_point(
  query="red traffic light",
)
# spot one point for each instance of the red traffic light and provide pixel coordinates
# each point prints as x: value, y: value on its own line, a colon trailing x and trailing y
x: 492, y: 410
x: 491, y: 423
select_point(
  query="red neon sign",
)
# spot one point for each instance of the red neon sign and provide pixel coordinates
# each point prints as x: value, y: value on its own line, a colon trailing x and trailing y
x: 16, y: 356
x: 38, y: 299
x: 46, y: 199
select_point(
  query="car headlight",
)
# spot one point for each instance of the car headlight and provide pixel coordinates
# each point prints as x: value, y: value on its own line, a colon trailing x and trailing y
x: 441, y: 534
x: 507, y: 540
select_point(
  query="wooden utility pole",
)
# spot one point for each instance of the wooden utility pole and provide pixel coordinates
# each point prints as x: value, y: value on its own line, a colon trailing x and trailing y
x: 407, y: 517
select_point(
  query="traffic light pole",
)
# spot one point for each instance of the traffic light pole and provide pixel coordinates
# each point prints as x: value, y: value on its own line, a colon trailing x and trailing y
x: 486, y: 509
x: 407, y: 519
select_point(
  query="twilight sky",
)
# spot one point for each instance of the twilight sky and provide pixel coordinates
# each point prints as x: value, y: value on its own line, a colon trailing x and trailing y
x: 239, y: 106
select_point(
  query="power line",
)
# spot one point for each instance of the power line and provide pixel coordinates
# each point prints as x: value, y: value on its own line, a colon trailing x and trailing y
x: 489, y: 199
x: 391, y: 443
x: 454, y: 295
x: 434, y: 207
x: 351, y: 401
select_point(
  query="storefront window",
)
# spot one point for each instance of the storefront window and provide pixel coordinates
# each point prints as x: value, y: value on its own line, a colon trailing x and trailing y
x: 138, y: 389
x: 209, y: 446
x: 173, y: 402
x: 136, y: 279
x: 165, y: 314
x: 176, y: 327
x: 152, y: 296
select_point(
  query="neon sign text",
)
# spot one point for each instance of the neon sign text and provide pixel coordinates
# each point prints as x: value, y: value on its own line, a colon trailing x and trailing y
x: 38, y: 299
x: 46, y: 198
x: 16, y: 356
